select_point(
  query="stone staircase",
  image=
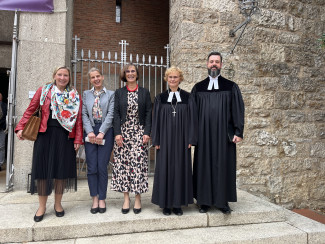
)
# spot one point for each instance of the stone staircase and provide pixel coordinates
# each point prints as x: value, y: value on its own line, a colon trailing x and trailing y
x: 253, y: 220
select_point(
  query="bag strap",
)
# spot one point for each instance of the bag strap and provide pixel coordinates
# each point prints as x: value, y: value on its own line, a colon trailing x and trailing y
x: 38, y: 111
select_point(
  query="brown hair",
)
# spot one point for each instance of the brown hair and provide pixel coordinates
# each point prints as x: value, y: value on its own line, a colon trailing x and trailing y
x: 125, y: 68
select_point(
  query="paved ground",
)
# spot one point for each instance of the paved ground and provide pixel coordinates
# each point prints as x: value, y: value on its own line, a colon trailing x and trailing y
x: 312, y: 214
x: 253, y: 221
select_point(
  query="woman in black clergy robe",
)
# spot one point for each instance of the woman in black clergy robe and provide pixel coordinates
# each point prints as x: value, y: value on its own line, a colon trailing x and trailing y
x: 174, y: 131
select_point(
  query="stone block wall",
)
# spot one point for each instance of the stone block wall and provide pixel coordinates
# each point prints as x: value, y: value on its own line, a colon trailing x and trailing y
x: 280, y: 71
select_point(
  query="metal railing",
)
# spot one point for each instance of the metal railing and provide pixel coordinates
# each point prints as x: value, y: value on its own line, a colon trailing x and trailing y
x: 151, y: 70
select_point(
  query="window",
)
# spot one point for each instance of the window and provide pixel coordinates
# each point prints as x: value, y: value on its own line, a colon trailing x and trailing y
x: 118, y: 11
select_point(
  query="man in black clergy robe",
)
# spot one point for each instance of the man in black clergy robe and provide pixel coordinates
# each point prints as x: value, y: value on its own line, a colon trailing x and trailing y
x: 221, y: 124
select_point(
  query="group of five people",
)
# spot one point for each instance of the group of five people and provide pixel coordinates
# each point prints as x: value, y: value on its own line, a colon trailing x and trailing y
x: 211, y: 118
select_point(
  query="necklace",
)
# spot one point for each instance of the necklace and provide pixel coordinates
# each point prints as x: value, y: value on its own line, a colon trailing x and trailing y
x: 133, y: 89
x: 171, y: 103
x: 174, y: 108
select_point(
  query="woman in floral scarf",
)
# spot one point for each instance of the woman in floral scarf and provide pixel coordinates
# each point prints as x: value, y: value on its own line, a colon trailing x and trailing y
x: 60, y: 136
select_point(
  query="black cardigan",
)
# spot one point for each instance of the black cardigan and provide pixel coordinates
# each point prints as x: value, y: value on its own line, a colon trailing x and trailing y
x: 121, y: 105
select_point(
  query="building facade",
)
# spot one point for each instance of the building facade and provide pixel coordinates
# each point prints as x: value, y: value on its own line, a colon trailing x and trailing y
x: 277, y: 64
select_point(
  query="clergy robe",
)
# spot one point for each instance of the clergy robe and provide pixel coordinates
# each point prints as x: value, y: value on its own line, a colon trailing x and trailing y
x: 221, y: 116
x: 173, y: 173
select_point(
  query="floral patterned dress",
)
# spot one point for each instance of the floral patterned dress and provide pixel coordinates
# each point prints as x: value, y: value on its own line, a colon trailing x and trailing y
x: 130, y: 167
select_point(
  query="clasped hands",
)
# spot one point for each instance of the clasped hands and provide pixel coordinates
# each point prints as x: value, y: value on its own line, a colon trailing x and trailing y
x: 119, y: 140
x: 95, y: 139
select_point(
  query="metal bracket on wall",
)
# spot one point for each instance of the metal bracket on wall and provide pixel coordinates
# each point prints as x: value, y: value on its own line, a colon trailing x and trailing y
x: 247, y: 8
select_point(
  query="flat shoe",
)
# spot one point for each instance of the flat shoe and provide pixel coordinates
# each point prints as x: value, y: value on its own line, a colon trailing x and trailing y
x: 178, y: 211
x: 203, y: 208
x: 38, y: 218
x: 94, y: 210
x: 226, y: 209
x: 125, y: 210
x: 102, y: 210
x: 136, y: 210
x: 59, y: 214
x: 167, y: 211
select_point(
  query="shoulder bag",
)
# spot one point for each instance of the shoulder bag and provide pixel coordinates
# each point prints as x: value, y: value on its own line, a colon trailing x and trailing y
x: 31, y: 128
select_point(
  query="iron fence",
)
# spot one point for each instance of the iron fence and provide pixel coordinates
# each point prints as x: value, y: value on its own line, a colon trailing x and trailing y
x: 151, y: 69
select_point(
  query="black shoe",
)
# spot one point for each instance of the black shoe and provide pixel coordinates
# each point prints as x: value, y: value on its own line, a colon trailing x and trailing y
x: 178, y: 211
x: 226, y: 209
x: 125, y: 210
x: 94, y: 210
x: 136, y: 210
x: 38, y: 218
x: 102, y: 210
x: 167, y: 211
x: 203, y: 208
x: 58, y: 214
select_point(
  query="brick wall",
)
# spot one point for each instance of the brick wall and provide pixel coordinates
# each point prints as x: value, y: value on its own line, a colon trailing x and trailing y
x: 144, y: 24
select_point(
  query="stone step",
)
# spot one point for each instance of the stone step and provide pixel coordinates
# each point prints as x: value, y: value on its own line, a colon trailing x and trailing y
x: 249, y: 213
x: 265, y: 233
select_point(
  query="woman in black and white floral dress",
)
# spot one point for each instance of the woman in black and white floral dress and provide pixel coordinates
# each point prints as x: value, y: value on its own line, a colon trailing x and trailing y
x: 132, y: 126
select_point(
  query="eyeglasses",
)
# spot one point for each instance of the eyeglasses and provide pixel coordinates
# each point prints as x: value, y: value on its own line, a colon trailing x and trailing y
x: 130, y: 71
x: 172, y: 77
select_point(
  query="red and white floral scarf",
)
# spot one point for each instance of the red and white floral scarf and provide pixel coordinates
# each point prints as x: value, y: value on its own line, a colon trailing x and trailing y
x: 65, y: 105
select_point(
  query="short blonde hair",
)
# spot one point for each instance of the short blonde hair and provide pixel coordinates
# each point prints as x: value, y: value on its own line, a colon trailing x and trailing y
x: 93, y: 69
x: 174, y: 69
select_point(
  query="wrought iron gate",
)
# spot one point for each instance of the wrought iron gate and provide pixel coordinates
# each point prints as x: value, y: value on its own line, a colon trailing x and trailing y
x: 151, y: 69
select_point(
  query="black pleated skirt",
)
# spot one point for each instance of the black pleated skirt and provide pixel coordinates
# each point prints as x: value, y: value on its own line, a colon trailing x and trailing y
x: 54, y: 161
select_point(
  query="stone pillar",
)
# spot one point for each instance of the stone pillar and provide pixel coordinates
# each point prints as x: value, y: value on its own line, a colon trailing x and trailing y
x: 197, y: 28
x: 42, y: 47
x: 6, y: 27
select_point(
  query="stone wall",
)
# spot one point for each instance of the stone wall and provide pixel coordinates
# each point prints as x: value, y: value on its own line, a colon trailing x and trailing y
x: 6, y: 29
x: 280, y: 71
